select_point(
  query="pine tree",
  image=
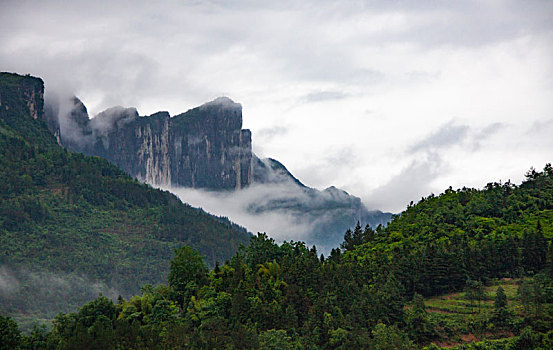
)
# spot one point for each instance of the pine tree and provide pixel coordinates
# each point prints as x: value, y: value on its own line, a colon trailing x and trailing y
x: 501, y: 314
x: 549, y: 261
x: 358, y: 235
x: 500, y: 300
x: 348, y: 238
x: 368, y: 234
x: 419, y: 327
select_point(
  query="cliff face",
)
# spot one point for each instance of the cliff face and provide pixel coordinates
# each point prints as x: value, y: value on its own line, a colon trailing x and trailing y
x: 44, y: 192
x: 205, y: 147
x: 23, y: 94
x: 212, y: 149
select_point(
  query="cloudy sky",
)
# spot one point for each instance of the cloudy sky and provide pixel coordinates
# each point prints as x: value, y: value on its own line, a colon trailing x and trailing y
x: 389, y: 100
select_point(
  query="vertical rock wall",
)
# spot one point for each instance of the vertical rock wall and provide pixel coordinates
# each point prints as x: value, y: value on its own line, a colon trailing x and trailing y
x: 210, y: 148
x: 202, y: 148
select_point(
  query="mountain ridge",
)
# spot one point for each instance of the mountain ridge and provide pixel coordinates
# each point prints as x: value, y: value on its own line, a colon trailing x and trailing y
x: 206, y: 148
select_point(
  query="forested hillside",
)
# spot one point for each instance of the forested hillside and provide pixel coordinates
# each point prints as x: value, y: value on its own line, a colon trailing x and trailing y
x: 366, y: 295
x: 439, y: 243
x: 72, y: 226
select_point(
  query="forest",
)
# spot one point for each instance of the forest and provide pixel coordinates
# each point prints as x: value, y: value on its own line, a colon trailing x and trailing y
x: 380, y: 290
x: 72, y: 226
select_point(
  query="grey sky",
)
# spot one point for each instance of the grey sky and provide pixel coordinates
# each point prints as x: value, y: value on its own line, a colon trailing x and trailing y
x: 389, y: 100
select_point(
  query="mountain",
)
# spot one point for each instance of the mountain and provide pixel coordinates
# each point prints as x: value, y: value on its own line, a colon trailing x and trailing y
x: 483, y: 258
x: 73, y: 225
x: 202, y: 148
x: 328, y: 212
x: 206, y: 148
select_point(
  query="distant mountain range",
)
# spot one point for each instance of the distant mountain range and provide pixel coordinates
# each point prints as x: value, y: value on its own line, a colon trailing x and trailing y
x: 206, y: 148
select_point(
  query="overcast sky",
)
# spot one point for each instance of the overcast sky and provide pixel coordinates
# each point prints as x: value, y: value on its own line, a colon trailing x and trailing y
x: 389, y: 100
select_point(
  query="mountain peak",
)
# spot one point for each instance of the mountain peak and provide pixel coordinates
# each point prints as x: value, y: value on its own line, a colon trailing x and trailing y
x: 224, y: 102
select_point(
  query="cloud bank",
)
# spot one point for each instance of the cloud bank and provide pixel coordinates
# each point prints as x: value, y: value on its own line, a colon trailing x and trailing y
x: 249, y: 207
x: 315, y: 68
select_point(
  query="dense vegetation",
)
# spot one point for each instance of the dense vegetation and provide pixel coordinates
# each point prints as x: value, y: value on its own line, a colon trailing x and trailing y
x: 72, y: 226
x: 366, y: 295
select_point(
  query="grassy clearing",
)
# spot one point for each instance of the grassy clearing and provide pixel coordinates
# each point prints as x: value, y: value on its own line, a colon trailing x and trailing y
x: 460, y: 321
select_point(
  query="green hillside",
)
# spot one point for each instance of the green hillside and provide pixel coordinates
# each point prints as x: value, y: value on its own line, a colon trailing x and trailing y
x: 72, y: 226
x: 483, y: 259
x: 502, y: 230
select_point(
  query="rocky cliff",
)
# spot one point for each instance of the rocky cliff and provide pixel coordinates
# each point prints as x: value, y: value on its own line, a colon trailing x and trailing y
x: 73, y: 226
x: 23, y: 96
x: 28, y: 93
x: 205, y: 147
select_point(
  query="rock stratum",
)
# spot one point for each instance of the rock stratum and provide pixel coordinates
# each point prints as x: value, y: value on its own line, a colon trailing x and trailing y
x: 206, y: 148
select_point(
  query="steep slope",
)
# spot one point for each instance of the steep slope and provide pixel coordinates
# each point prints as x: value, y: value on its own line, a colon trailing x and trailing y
x: 206, y: 148
x: 72, y: 225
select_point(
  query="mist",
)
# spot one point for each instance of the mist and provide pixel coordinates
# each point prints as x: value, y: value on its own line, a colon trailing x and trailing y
x: 245, y: 208
x: 47, y: 293
x: 363, y: 79
x: 275, y: 209
x: 75, y: 129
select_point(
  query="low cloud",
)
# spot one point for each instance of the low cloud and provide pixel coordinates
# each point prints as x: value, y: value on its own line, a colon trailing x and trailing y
x: 447, y: 135
x: 269, y: 133
x: 283, y: 210
x: 452, y: 134
x: 431, y: 159
x: 485, y: 133
x: 64, y: 111
x: 8, y: 283
x: 541, y: 127
x: 45, y: 291
x: 413, y: 182
x: 245, y: 207
x: 67, y: 113
x: 112, y: 118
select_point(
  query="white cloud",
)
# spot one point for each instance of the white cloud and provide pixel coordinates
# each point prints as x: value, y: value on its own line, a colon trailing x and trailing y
x: 247, y: 208
x: 313, y: 69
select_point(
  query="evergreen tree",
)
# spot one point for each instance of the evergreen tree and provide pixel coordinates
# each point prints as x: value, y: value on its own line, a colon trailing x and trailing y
x: 524, y: 293
x: 474, y: 291
x: 501, y: 314
x: 500, y: 300
x: 419, y: 327
x: 348, y: 240
x: 549, y: 261
x: 10, y: 337
x: 187, y: 273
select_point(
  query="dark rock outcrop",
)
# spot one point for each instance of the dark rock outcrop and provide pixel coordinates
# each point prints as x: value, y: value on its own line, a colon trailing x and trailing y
x: 205, y: 147
x: 24, y: 95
